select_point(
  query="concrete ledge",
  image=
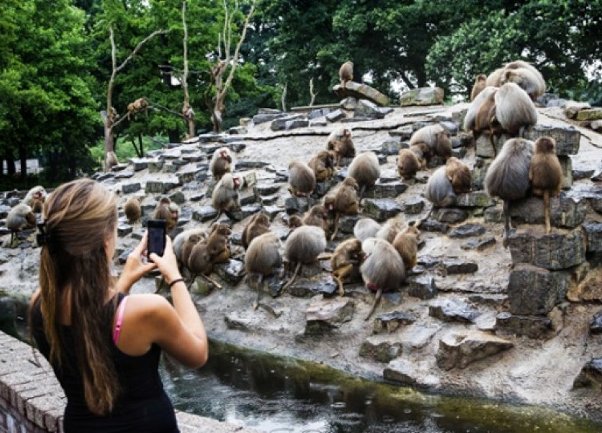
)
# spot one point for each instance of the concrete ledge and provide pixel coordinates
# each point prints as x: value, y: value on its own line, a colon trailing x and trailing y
x: 32, y: 401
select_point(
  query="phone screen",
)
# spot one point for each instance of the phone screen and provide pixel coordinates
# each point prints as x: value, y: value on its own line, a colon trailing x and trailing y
x: 156, y: 237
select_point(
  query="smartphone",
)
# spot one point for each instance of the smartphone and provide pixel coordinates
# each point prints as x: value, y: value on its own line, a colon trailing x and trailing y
x: 156, y: 237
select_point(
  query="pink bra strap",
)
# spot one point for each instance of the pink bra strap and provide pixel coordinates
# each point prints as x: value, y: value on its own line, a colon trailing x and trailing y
x: 119, y: 322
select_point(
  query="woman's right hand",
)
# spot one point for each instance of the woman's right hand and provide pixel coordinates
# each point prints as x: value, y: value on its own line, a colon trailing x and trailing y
x: 167, y: 263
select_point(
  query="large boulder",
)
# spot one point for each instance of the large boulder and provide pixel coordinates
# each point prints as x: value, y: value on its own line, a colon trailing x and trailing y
x: 422, y: 96
x: 360, y: 91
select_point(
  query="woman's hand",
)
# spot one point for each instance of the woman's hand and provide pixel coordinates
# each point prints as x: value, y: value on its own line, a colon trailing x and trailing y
x: 167, y: 263
x: 134, y: 267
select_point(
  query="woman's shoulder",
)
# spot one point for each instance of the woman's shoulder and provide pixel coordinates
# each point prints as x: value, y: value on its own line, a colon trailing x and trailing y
x: 148, y: 305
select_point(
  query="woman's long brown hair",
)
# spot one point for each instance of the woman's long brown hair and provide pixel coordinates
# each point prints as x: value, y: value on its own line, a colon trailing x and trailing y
x: 80, y: 216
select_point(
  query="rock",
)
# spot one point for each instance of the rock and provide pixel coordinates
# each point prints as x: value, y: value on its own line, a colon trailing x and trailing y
x: 590, y: 375
x: 262, y: 118
x: 323, y: 315
x: 467, y: 230
x: 349, y: 103
x: 449, y: 215
x: 431, y: 225
x: 335, y: 116
x: 567, y: 137
x: 231, y: 271
x: 361, y: 91
x: 595, y: 325
x: 381, y: 209
x: 204, y: 213
x: 593, y: 232
x: 478, y: 244
x: 590, y: 289
x: 347, y: 223
x: 272, y: 211
x: 536, y: 327
x: 596, y: 125
x: 249, y: 165
x: 306, y: 288
x: 125, y: 174
x: 296, y: 123
x: 554, y: 251
x: 565, y: 211
x: 485, y: 149
x: 481, y: 165
x: 412, y: 205
x: 453, y: 266
x: 422, y: 96
x: 129, y: 188
x: 368, y: 109
x: 160, y: 187
x: 124, y: 230
x: 139, y: 163
x: 535, y: 291
x: 294, y: 204
x: 390, y: 147
x: 239, y: 321
x: 380, y: 349
x: 318, y: 122
x: 452, y: 310
x: 188, y: 175
x: 474, y: 199
x: 582, y: 174
x: 391, y: 321
x: 589, y: 114
x: 566, y: 164
x: 267, y: 188
x: 403, y: 132
x: 155, y: 165
x: 572, y: 108
x: 462, y: 349
x: 422, y: 287
x: 386, y: 189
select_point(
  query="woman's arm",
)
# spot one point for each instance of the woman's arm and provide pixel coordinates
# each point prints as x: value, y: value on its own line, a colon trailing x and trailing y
x: 134, y: 268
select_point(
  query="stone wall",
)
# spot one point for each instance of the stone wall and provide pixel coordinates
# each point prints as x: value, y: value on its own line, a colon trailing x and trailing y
x: 32, y: 401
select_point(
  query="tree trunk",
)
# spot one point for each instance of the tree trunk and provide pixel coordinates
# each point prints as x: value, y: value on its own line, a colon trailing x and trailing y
x: 10, y: 164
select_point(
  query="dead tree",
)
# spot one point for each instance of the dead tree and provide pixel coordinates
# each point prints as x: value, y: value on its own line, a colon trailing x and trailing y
x: 226, y: 58
x: 312, y: 93
x: 187, y: 111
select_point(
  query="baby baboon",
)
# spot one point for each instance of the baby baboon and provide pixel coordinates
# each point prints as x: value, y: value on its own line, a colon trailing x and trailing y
x: 199, y: 260
x: 340, y: 142
x: 345, y: 202
x: 168, y: 211
x: 217, y: 243
x: 262, y: 259
x: 323, y: 165
x: 317, y: 216
x: 183, y: 243
x: 435, y: 137
x: 406, y: 244
x: 136, y: 106
x: 365, y: 169
x: 303, y: 246
x: 458, y: 174
x: 382, y: 270
x: 508, y: 176
x: 346, y: 73
x: 187, y: 247
x: 301, y: 179
x: 391, y: 228
x: 221, y: 163
x: 225, y: 195
x: 545, y: 173
x: 346, y: 261
x: 422, y: 152
x: 132, y: 210
x: 258, y: 225
x: 514, y: 110
x: 526, y: 76
x: 407, y: 164
x: 18, y: 218
x: 439, y: 190
x: 35, y: 198
x: 294, y: 221
x: 478, y: 86
x: 365, y: 228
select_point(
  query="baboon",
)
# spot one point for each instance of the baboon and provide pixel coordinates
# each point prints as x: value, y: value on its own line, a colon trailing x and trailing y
x: 132, y: 210
x: 340, y: 142
x: 545, y: 173
x: 187, y: 247
x: 459, y: 175
x: 262, y: 259
x: 317, y: 216
x: 382, y: 270
x: 294, y: 221
x: 478, y: 86
x: 221, y: 163
x: 406, y: 244
x: 526, y: 76
x: 345, y: 202
x: 168, y: 211
x: 508, y: 176
x: 183, y: 243
x: 494, y: 78
x: 346, y: 73
x: 435, y: 137
x: 35, y: 198
x: 217, y: 243
x: 323, y: 165
x: 110, y: 160
x: 439, y: 190
x: 481, y: 112
x: 225, y: 195
x: 19, y: 217
x: 422, y: 152
x: 199, y: 260
x: 407, y: 164
x: 365, y: 169
x: 258, y: 225
x: 301, y: 179
x: 346, y: 261
x: 303, y: 246
x: 136, y: 106
x: 365, y: 228
x: 391, y: 228
x: 514, y: 110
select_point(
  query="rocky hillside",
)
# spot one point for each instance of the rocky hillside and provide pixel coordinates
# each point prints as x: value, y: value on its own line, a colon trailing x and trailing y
x: 518, y: 324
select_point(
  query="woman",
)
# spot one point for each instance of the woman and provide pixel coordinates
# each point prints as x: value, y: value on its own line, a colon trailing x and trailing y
x: 103, y: 344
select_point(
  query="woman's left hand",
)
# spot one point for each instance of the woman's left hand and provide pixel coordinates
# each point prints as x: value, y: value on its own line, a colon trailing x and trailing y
x: 135, y: 267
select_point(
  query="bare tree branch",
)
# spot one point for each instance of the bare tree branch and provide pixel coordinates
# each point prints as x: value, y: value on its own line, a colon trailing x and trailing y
x: 137, y: 48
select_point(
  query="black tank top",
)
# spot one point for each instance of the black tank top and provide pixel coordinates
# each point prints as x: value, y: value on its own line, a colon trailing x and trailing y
x: 142, y: 406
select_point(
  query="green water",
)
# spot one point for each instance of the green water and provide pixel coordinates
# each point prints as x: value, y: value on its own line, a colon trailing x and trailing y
x: 280, y: 395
